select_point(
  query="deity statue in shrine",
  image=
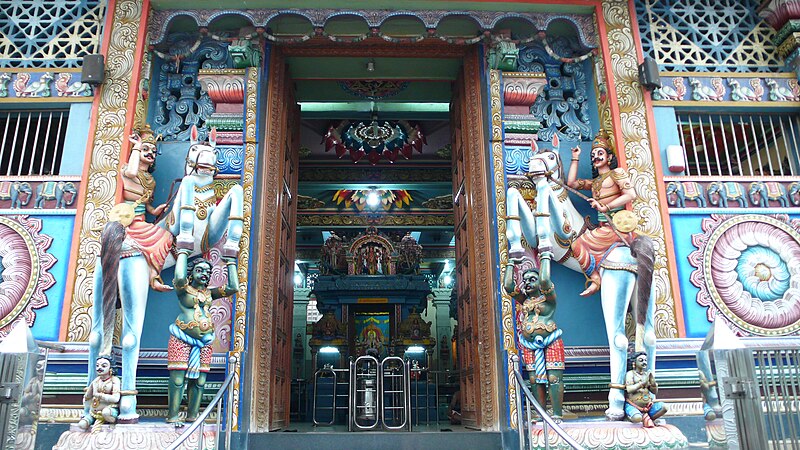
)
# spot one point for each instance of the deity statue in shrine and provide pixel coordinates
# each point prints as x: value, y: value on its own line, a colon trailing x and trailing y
x: 191, y: 336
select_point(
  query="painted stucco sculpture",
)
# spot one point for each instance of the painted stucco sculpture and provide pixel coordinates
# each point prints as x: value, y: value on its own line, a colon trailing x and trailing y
x: 196, y: 220
x: 641, y: 389
x: 101, y: 398
x: 552, y: 228
x: 189, y: 349
x: 539, y: 337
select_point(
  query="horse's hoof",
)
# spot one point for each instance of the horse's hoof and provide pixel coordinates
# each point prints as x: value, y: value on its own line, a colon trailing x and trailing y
x: 614, y: 414
x: 516, y: 252
x: 230, y: 251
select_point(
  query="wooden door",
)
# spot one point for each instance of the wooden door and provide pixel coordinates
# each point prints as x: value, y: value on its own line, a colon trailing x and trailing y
x: 475, y: 287
x: 466, y: 339
x: 276, y: 253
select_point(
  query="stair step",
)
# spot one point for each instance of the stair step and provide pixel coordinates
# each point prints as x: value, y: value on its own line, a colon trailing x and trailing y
x: 439, y: 440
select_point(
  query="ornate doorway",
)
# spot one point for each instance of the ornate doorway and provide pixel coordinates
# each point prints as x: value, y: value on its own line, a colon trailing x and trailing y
x: 270, y: 342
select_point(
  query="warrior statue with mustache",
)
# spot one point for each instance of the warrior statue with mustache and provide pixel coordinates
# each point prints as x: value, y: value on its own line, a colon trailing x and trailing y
x: 612, y: 191
x: 138, y: 185
x: 189, y: 348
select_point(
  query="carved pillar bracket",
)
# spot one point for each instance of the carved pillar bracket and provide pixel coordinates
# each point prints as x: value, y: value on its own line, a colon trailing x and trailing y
x: 784, y: 17
x: 520, y: 91
x: 637, y: 147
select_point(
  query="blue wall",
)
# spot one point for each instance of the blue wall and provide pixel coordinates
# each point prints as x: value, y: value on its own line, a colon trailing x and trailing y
x: 667, y: 131
x: 76, y: 139
x: 48, y: 319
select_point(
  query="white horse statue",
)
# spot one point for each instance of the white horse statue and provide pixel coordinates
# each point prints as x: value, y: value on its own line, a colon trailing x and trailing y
x: 551, y: 229
x: 198, y: 221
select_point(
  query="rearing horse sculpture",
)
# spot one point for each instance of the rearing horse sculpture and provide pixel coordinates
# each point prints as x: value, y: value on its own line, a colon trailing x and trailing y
x: 626, y: 271
x: 198, y: 221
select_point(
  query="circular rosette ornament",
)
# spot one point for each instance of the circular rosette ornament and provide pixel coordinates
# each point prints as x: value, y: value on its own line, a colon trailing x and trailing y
x: 24, y: 263
x: 748, y: 272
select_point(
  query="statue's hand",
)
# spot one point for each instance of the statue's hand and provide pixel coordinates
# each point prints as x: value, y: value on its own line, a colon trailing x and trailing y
x: 135, y: 139
x: 576, y: 152
x: 597, y: 205
x: 159, y: 209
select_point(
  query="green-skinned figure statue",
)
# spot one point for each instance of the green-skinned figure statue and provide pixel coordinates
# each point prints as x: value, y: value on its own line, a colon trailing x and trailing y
x: 189, y: 349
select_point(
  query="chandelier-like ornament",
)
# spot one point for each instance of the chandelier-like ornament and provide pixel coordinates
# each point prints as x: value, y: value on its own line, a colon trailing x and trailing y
x: 373, y: 198
x: 373, y: 139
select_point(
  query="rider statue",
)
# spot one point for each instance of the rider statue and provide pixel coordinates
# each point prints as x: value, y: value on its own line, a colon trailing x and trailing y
x: 640, y: 393
x: 612, y: 191
x: 101, y: 396
x: 540, y: 338
x: 138, y: 185
x: 189, y: 348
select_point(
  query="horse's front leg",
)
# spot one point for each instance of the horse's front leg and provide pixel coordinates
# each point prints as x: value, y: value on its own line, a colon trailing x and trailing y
x: 228, y: 216
x: 519, y: 222
x: 650, y: 330
x: 615, y: 296
x: 186, y: 215
x: 96, y: 333
x: 134, y: 276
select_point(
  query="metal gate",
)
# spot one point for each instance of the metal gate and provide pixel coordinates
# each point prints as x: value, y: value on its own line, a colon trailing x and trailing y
x: 759, y: 391
x: 338, y: 380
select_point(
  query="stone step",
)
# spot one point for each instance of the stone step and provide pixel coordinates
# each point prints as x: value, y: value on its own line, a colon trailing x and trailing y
x: 436, y: 440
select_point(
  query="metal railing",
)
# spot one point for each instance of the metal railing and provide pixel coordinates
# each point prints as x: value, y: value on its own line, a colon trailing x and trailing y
x: 335, y: 389
x: 525, y: 403
x: 215, y: 402
x: 759, y: 392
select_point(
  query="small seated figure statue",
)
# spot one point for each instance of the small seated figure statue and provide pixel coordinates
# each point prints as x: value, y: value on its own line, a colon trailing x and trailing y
x: 539, y: 337
x: 640, y: 393
x: 101, y: 397
x: 189, y: 348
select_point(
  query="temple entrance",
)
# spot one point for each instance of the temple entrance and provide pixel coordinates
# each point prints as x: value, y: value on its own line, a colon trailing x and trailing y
x: 376, y: 230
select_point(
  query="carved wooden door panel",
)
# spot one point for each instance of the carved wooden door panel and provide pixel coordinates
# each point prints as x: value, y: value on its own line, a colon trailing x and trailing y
x: 274, y: 288
x: 282, y: 332
x: 475, y: 284
x: 466, y: 339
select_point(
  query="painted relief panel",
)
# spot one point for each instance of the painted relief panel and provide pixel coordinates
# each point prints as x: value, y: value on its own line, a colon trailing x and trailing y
x: 740, y: 268
x: 33, y: 256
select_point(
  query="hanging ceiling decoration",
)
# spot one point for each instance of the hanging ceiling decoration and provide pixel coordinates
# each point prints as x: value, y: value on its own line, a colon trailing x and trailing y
x: 373, y: 139
x: 363, y: 198
x: 373, y: 89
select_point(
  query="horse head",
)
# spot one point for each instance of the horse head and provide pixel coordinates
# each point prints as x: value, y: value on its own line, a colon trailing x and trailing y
x: 545, y: 163
x: 202, y: 156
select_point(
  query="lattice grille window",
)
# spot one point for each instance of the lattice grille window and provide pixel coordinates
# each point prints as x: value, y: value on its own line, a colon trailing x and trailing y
x: 707, y: 36
x: 740, y: 144
x: 32, y: 142
x: 49, y: 33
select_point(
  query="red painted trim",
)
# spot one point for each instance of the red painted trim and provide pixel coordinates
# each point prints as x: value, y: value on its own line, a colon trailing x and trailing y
x: 655, y: 151
x: 66, y: 310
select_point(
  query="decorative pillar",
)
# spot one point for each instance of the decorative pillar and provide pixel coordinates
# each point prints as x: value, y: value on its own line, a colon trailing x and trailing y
x: 114, y: 111
x: 626, y: 111
x: 784, y: 17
